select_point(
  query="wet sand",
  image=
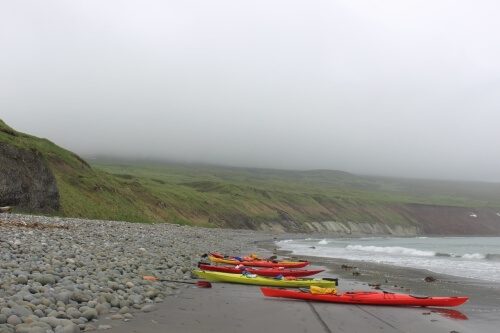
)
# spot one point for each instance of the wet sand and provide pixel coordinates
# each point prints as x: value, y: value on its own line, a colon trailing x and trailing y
x: 243, y: 309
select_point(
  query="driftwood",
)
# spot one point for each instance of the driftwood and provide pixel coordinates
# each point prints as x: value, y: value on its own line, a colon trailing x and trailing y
x: 6, y: 209
x: 35, y: 225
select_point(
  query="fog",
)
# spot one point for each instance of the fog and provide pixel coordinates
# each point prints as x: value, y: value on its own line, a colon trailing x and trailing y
x: 389, y: 87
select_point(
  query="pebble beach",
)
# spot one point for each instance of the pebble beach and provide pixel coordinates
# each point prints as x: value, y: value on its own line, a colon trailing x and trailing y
x: 63, y: 275
x: 77, y: 275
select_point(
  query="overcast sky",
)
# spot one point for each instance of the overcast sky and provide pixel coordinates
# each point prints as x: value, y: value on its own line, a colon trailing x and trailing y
x: 386, y: 87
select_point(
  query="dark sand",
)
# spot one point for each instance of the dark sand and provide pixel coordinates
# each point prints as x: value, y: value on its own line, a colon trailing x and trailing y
x: 243, y: 309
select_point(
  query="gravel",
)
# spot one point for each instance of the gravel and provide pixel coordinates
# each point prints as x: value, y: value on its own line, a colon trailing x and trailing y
x: 63, y: 275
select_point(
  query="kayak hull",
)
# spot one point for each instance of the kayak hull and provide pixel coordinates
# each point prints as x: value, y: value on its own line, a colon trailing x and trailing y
x: 261, y: 263
x: 366, y: 298
x: 264, y: 281
x: 272, y: 271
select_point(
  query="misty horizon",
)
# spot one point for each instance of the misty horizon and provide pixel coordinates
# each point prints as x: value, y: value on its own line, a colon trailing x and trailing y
x: 398, y: 89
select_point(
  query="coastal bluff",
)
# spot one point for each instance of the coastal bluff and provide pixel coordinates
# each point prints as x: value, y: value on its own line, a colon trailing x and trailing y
x: 26, y: 181
x: 37, y: 176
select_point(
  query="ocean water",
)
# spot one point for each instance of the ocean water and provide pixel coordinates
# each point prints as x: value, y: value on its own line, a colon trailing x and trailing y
x: 466, y: 257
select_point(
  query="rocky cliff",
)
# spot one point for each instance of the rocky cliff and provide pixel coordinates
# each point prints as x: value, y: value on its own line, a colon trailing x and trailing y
x: 26, y: 181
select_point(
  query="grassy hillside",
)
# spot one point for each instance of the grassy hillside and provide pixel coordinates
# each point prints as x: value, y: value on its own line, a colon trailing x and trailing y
x: 238, y: 197
x: 87, y: 192
x: 219, y: 195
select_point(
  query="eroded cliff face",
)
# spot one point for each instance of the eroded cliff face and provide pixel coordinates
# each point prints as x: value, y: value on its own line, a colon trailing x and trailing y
x: 26, y: 181
x: 358, y: 229
x: 425, y: 220
x: 462, y: 221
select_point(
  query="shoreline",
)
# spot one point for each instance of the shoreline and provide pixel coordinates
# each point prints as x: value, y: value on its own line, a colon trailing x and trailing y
x: 481, y: 310
x: 238, y: 308
x: 106, y: 259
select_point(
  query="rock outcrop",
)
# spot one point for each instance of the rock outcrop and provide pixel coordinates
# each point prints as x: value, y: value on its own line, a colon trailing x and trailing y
x: 26, y: 181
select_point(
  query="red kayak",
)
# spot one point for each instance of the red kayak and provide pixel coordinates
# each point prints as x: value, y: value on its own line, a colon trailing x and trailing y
x: 216, y: 255
x: 366, y: 297
x: 274, y: 271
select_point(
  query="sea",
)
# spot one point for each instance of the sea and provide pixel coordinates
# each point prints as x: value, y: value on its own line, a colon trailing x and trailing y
x: 464, y: 257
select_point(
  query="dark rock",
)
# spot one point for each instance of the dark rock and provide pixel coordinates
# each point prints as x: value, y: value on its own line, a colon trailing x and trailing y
x: 26, y: 181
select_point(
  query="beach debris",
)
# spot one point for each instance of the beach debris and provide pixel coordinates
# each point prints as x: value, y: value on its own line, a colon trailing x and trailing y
x: 6, y: 209
x: 356, y: 273
x: 347, y: 267
x: 426, y: 313
x: 430, y: 279
x: 375, y: 285
x: 34, y: 225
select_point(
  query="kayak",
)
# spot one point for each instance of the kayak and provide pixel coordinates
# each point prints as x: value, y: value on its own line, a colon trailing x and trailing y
x: 261, y: 263
x: 249, y: 257
x: 366, y: 297
x: 216, y: 255
x: 264, y: 280
x: 271, y: 271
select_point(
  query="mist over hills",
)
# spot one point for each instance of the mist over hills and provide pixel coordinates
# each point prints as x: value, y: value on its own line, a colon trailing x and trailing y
x: 147, y: 191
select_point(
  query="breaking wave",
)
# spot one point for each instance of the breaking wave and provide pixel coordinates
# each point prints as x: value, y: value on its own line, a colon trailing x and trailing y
x: 473, y: 256
x: 392, y: 250
x: 398, y: 250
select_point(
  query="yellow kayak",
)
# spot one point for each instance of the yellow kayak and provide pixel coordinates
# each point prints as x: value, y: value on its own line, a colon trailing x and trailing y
x: 264, y: 280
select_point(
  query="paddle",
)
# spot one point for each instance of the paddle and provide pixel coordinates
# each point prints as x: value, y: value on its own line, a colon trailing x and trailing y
x: 332, y: 279
x: 202, y: 284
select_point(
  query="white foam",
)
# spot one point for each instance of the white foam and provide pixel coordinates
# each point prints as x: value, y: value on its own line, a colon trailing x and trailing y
x: 473, y: 256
